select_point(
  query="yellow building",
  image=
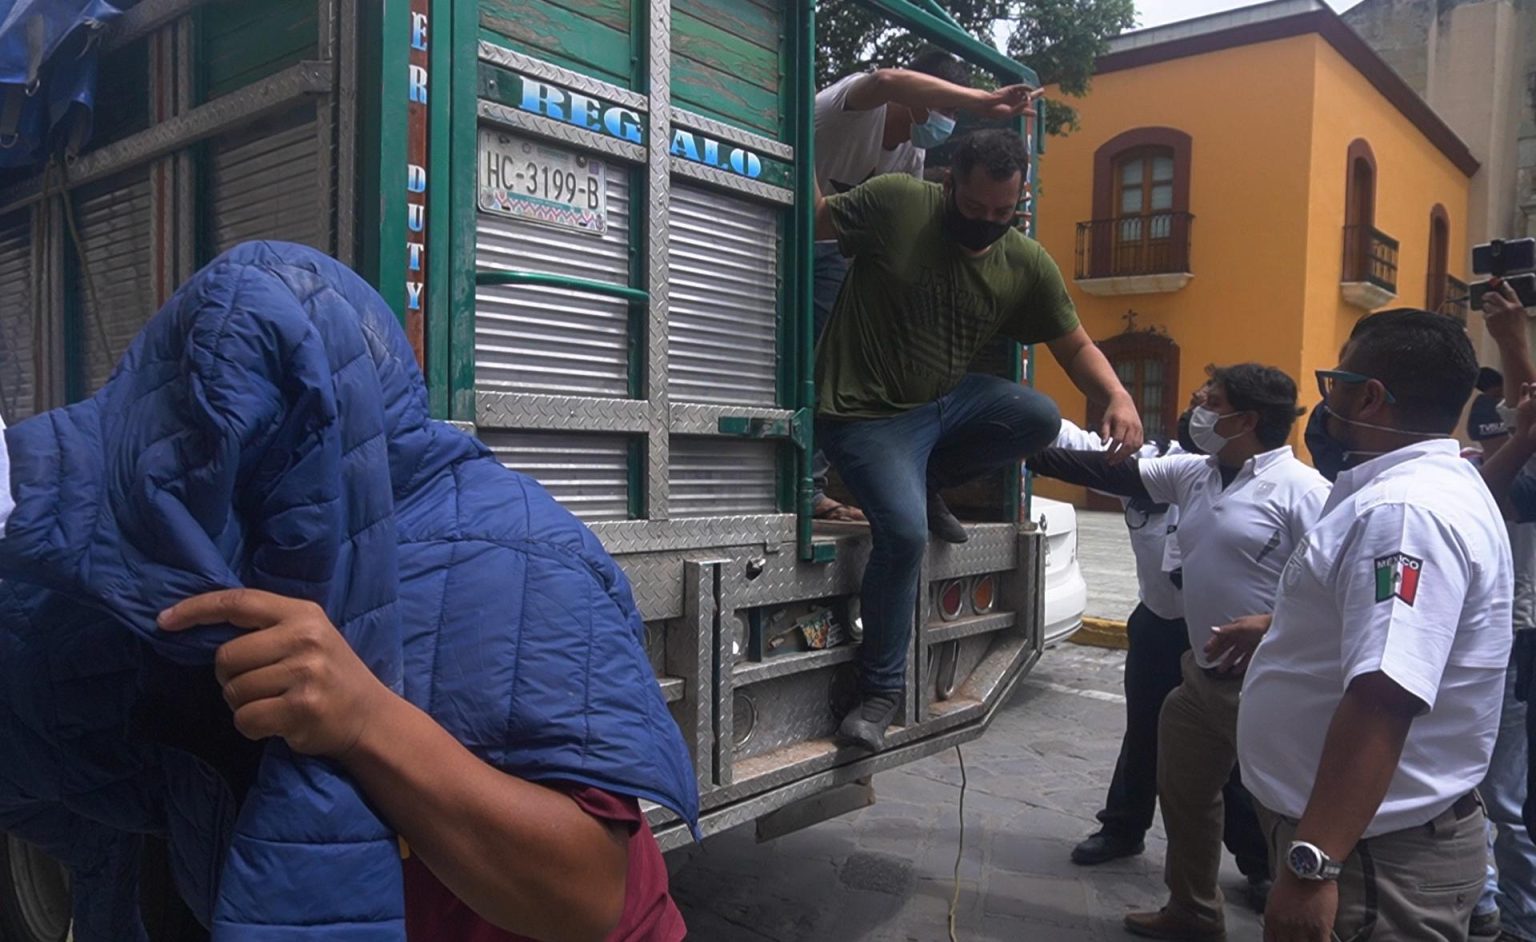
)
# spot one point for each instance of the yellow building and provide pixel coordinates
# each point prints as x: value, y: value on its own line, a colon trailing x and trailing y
x: 1247, y: 186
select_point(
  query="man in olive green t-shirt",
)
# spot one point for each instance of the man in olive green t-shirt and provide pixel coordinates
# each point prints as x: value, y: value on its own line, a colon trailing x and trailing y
x: 936, y: 273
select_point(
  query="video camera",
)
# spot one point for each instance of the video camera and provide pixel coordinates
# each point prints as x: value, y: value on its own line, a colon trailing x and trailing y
x: 1513, y: 260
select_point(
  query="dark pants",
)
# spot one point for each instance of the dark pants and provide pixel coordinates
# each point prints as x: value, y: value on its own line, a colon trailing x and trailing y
x: 1151, y: 673
x: 984, y: 424
x: 1524, y: 660
x: 830, y: 272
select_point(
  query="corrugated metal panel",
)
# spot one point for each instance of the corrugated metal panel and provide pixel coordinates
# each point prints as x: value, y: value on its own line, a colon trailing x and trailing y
x: 18, y: 343
x: 723, y: 324
x: 114, y: 222
x: 721, y: 476
x: 546, y: 340
x: 264, y: 183
x: 587, y: 474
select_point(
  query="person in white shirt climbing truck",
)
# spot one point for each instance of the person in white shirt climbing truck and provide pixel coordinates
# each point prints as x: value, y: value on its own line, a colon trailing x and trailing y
x: 1372, y: 703
x: 880, y: 122
x: 1242, y: 510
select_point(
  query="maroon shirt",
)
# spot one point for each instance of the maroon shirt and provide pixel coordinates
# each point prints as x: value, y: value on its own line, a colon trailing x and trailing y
x: 434, y: 914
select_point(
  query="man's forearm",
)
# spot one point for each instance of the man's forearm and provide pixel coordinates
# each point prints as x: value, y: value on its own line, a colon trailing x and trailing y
x: 1501, y: 468
x: 522, y: 856
x: 915, y: 90
x: 1360, y: 756
x: 1515, y: 362
x: 1090, y: 469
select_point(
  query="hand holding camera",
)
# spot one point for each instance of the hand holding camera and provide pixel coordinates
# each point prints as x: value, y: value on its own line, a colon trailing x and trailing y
x: 1502, y: 311
x: 1512, y: 265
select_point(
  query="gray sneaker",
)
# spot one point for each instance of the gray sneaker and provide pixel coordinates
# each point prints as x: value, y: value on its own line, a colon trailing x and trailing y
x: 864, y: 726
x: 943, y: 524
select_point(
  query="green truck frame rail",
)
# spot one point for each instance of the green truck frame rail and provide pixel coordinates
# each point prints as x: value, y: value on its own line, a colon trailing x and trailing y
x: 632, y: 295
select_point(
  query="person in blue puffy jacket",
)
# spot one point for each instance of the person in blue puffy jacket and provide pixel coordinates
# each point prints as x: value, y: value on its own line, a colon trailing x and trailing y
x: 368, y: 684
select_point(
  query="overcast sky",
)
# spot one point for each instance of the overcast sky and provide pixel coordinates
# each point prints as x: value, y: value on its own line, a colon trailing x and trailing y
x: 1160, y: 12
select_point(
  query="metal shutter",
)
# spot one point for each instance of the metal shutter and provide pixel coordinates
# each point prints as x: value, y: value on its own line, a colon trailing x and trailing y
x: 18, y: 341
x: 547, y: 340
x: 264, y: 183
x: 723, y: 323
x: 114, y: 222
x: 587, y: 474
x: 719, y: 477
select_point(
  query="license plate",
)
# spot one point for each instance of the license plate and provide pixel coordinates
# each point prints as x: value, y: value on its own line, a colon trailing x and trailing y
x: 541, y: 183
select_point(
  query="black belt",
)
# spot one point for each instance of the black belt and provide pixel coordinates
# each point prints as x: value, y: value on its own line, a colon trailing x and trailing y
x: 1465, y: 805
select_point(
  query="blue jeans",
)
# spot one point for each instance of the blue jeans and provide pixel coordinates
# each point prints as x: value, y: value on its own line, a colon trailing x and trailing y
x: 891, y: 465
x: 830, y: 272
x: 1511, y: 888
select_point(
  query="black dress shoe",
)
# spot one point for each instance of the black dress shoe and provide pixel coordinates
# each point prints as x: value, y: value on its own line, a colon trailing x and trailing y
x: 1104, y: 847
x: 864, y: 726
x: 943, y: 524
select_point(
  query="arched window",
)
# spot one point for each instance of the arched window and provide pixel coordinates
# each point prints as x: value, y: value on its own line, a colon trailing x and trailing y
x: 1435, y: 294
x: 1141, y: 215
x: 1143, y: 208
x: 1359, y: 211
x: 1147, y: 363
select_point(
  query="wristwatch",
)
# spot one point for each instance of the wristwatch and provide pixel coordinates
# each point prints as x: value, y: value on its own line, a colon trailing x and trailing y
x: 1309, y: 862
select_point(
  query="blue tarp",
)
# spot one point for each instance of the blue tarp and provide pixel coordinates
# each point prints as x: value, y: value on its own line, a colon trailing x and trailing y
x: 48, y: 61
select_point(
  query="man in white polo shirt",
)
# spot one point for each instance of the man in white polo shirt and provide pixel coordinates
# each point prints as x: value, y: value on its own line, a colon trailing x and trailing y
x: 1242, y: 511
x: 1157, y: 639
x: 1371, y: 705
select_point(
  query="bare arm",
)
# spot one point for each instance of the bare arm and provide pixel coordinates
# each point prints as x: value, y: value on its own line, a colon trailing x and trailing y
x: 524, y: 857
x: 920, y: 90
x: 825, y: 230
x: 1360, y: 756
x: 1095, y: 378
x: 1502, y: 467
x: 1506, y: 323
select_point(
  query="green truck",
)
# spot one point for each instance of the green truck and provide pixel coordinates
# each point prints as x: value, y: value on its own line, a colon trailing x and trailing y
x: 590, y: 216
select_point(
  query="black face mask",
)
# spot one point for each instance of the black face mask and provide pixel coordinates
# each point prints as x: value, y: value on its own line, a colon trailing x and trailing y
x: 974, y: 234
x: 1186, y: 440
x: 1329, y: 455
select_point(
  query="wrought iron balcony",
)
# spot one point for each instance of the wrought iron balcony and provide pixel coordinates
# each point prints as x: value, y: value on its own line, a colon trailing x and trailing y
x: 1370, y: 256
x: 1453, y: 298
x: 1127, y: 246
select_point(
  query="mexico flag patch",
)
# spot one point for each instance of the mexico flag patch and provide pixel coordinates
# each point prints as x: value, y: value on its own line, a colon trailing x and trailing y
x: 1397, y: 576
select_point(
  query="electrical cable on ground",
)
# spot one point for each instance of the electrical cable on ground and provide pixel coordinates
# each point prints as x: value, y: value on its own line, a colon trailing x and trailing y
x: 954, y: 900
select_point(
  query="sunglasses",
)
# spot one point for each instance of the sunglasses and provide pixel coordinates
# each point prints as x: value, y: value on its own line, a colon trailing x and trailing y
x: 1327, y: 378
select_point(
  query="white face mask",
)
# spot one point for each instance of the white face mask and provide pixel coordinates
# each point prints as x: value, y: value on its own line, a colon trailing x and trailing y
x: 1202, y: 428
x: 1353, y: 456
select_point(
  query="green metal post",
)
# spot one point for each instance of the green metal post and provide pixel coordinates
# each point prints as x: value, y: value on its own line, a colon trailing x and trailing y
x: 385, y: 54
x: 440, y: 257
x: 460, y: 244
x: 804, y: 246
x: 943, y: 14
x: 948, y: 36
x: 632, y: 295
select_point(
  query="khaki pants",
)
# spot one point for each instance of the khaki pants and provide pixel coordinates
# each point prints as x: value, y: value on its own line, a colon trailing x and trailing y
x: 1415, y: 885
x: 1196, y: 752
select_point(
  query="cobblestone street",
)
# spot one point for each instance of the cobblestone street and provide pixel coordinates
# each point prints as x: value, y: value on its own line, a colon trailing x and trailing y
x: 886, y: 874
